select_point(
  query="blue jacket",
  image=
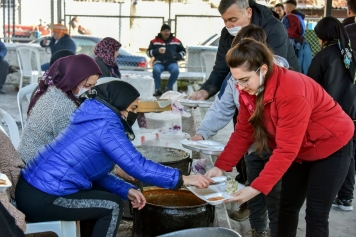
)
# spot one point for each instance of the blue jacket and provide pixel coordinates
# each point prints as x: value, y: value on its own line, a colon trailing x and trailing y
x: 65, y: 42
x: 86, y: 151
x: 304, y: 54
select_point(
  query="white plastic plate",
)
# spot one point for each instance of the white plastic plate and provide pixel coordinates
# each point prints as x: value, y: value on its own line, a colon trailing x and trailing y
x: 191, y: 103
x: 219, y: 192
x: 3, y: 187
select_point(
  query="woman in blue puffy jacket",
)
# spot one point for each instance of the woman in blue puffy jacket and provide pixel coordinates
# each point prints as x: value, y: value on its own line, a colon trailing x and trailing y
x: 69, y: 179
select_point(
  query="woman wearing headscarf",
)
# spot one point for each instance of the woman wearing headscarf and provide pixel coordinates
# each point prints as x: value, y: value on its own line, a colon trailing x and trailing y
x: 334, y: 69
x: 55, y: 100
x: 60, y: 40
x: 59, y: 54
x: 60, y: 179
x: 301, y: 46
x: 106, y: 52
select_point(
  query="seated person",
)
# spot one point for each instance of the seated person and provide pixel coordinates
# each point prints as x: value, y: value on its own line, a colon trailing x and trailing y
x: 301, y: 46
x: 4, y: 67
x: 106, y: 52
x: 167, y: 50
x: 10, y: 165
x: 55, y: 100
x: 66, y: 175
x: 60, y: 40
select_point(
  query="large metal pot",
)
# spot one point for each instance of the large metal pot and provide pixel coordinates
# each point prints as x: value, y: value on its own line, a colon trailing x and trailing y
x: 205, y: 231
x: 170, y: 210
x: 168, y: 156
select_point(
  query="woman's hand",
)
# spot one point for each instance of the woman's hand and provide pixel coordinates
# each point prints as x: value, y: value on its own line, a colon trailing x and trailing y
x: 122, y: 174
x: 137, y: 199
x: 214, y: 172
x: 244, y: 195
x: 197, y: 137
x: 199, y: 181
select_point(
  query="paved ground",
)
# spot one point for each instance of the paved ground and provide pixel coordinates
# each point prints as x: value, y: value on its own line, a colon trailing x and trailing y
x: 342, y: 224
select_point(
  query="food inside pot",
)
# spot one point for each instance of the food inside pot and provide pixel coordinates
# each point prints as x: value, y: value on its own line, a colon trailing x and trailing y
x: 172, y: 198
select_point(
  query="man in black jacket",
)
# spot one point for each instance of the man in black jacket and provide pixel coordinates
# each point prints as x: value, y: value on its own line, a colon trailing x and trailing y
x: 167, y: 50
x: 237, y: 14
x: 350, y: 22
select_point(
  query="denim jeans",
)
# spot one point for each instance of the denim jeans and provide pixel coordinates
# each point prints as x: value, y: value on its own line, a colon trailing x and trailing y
x: 45, y: 67
x: 171, y: 68
x: 4, y: 68
x: 262, y: 204
x: 318, y: 182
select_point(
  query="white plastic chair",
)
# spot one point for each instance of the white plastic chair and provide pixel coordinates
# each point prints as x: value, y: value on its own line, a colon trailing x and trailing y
x: 61, y: 228
x: 106, y: 79
x: 24, y: 58
x: 207, y: 60
x: 25, y: 91
x: 13, y: 129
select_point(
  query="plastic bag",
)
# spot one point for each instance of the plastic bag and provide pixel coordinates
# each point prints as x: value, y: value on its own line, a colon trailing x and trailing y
x: 175, y: 96
x: 199, y: 166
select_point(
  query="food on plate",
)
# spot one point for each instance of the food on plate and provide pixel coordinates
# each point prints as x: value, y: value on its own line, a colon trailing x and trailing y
x: 2, y: 181
x: 203, y: 191
x: 213, y: 199
x: 231, y: 185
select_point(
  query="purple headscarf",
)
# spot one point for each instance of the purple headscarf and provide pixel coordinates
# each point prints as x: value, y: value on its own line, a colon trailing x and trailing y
x: 66, y: 73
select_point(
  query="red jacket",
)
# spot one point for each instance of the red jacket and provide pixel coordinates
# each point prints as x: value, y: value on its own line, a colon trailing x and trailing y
x: 303, y: 121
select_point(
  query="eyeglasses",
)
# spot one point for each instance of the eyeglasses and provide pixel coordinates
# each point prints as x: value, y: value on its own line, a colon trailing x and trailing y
x: 245, y: 82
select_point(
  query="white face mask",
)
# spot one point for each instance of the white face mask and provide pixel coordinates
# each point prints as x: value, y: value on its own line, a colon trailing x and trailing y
x: 234, y: 30
x: 80, y: 92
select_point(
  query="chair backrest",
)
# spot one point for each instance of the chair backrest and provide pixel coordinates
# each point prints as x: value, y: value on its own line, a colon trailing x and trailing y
x: 25, y: 91
x: 61, y: 228
x: 106, y: 79
x: 24, y: 58
x: 13, y: 129
x: 207, y: 62
x: 3, y: 130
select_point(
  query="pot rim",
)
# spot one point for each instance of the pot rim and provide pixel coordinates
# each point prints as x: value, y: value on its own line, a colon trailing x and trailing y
x: 152, y: 188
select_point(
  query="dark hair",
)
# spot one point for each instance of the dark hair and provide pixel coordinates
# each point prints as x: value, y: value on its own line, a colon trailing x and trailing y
x: 250, y: 31
x: 351, y: 5
x: 250, y: 55
x: 294, y: 2
x: 279, y: 5
x: 225, y: 4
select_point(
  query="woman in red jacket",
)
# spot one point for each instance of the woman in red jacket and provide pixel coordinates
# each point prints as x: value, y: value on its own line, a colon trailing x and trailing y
x: 308, y: 132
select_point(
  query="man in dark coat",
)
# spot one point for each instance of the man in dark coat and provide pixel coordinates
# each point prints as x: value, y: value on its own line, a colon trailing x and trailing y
x: 350, y: 22
x: 59, y: 41
x: 237, y: 14
x: 166, y: 50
